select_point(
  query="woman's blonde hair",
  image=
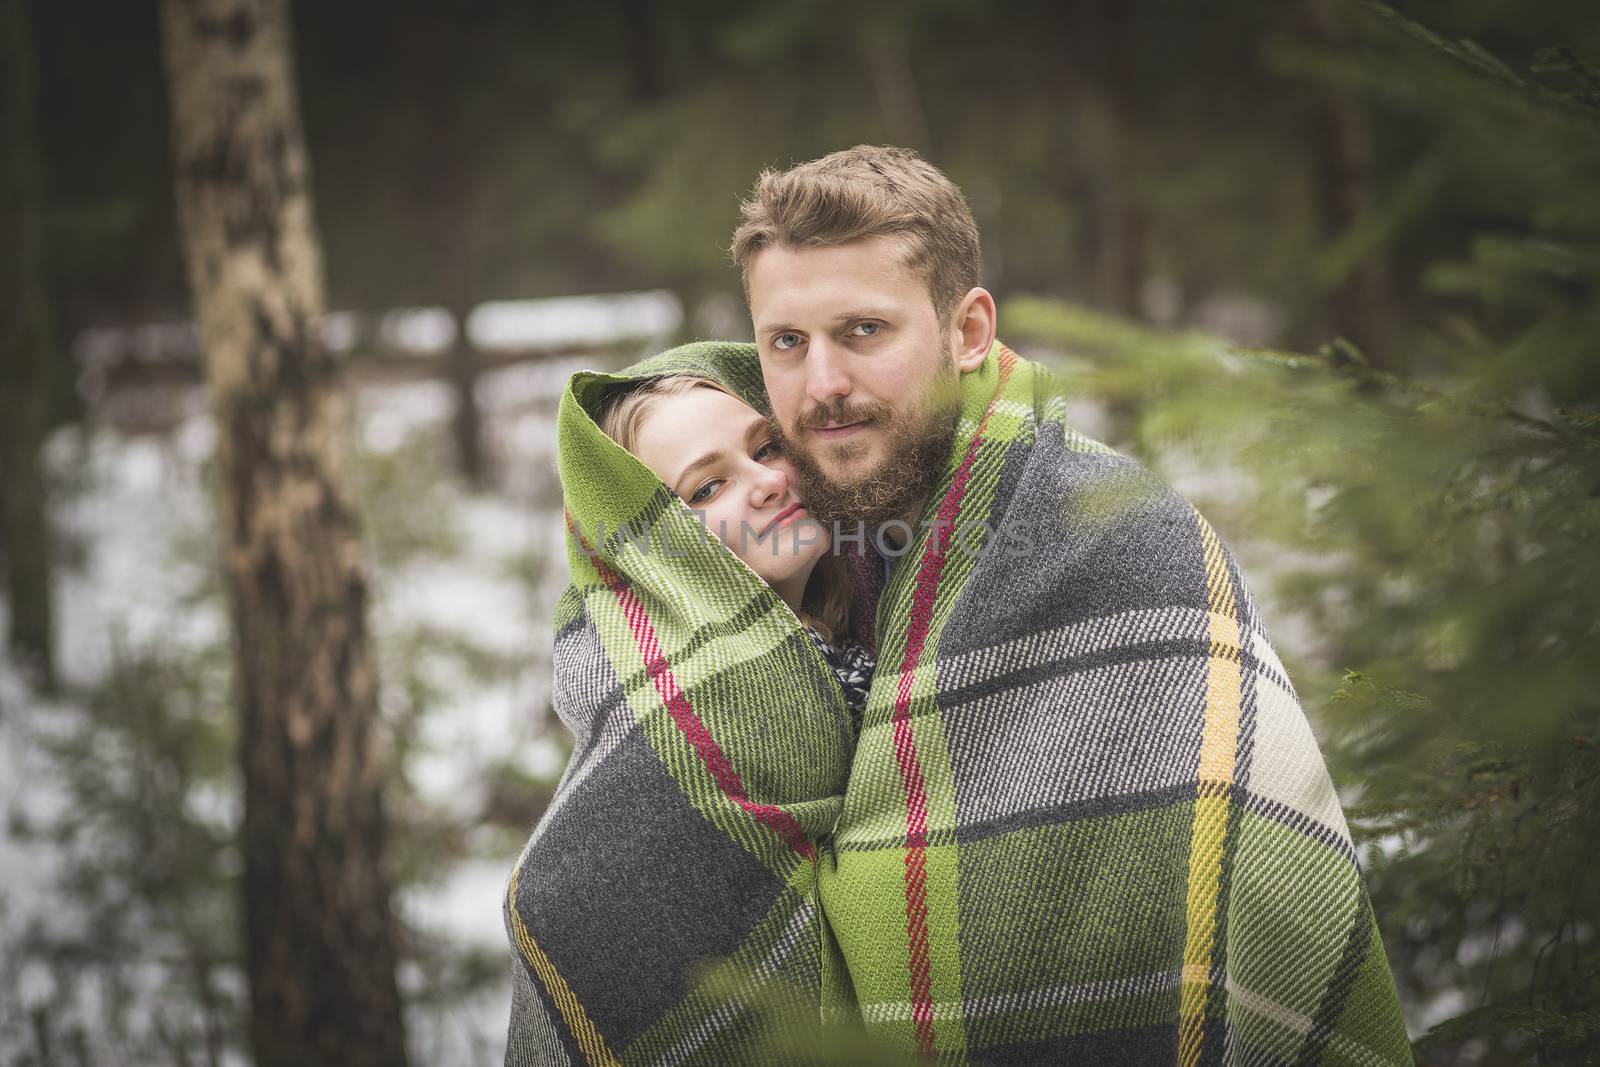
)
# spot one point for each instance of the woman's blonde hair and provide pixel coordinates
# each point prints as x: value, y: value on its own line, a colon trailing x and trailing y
x: 826, y: 602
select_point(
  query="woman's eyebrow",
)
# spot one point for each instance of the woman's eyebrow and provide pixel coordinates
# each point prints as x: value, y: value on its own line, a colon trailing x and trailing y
x: 758, y: 424
x: 704, y: 461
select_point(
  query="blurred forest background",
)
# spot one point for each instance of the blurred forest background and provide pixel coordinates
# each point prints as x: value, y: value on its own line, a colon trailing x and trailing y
x: 1330, y: 266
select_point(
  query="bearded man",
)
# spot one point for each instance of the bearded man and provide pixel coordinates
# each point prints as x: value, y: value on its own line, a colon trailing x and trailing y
x: 1086, y: 818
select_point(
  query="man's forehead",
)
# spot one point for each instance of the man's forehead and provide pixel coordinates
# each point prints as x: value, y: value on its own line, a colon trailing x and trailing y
x: 784, y: 280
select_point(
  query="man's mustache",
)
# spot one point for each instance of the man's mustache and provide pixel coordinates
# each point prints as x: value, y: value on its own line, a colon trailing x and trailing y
x: 842, y: 413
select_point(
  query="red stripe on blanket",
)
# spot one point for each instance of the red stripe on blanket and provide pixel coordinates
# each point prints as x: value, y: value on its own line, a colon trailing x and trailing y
x: 705, y: 746
x: 905, y: 744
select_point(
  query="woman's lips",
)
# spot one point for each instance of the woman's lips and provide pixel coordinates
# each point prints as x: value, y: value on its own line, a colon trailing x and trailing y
x: 784, y: 518
x: 839, y: 433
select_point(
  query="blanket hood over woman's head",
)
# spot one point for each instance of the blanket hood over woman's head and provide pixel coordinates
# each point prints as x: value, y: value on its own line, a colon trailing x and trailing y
x: 604, y: 484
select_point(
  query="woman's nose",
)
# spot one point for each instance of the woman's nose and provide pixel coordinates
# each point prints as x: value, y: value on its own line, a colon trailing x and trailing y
x: 771, y: 481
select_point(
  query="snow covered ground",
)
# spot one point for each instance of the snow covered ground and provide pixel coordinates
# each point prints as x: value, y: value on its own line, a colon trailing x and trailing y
x: 463, y: 586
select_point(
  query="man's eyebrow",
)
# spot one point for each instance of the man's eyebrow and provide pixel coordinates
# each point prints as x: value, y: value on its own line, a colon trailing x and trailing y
x: 866, y: 312
x: 843, y: 316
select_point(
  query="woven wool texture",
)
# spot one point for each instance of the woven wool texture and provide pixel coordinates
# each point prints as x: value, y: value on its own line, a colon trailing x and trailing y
x: 1084, y: 818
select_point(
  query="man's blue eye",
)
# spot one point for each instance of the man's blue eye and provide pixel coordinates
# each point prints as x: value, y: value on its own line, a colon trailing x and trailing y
x: 785, y: 341
x: 869, y: 328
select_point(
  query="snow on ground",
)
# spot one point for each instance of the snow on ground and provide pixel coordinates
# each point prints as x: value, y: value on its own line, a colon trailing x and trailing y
x: 136, y: 522
x: 134, y: 504
x: 28, y: 866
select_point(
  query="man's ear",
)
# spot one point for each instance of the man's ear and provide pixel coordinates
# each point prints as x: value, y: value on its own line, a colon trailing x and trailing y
x: 973, y: 325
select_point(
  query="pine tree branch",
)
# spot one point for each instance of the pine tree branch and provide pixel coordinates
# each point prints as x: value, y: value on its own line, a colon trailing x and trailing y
x: 1474, y: 56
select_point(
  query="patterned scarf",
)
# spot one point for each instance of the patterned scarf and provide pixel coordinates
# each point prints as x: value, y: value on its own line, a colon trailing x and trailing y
x: 1084, y: 818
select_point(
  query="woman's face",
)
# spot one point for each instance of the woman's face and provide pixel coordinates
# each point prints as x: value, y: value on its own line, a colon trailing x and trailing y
x: 721, y: 458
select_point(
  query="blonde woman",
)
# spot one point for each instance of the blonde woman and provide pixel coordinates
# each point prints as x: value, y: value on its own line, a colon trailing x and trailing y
x: 667, y: 908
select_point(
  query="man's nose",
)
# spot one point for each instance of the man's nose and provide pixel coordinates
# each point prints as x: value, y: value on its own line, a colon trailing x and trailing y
x: 825, y: 372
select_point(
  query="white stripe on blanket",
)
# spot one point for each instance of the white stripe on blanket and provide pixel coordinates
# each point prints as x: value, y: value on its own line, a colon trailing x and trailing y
x: 729, y: 1011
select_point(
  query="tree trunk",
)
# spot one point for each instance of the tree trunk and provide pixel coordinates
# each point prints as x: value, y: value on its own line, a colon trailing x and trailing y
x: 884, y: 37
x: 1344, y: 175
x: 320, y: 943
x: 1120, y: 259
x: 441, y: 62
x: 25, y: 346
x: 464, y: 364
x: 641, y: 22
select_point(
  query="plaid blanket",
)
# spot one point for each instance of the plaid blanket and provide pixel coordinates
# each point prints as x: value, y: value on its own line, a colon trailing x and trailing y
x: 1085, y: 817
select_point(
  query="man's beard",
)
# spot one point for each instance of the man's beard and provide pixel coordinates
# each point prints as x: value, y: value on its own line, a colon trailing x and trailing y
x: 918, y: 446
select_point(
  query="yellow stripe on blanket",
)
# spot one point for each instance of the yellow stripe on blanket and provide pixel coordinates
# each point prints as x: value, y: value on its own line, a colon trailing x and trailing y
x: 590, y: 1042
x: 1218, y: 749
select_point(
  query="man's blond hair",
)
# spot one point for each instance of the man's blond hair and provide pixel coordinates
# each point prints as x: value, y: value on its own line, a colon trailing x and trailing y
x: 861, y: 192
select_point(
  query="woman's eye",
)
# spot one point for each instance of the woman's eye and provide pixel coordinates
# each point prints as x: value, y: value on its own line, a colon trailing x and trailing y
x: 770, y: 450
x: 705, y: 492
x: 785, y: 341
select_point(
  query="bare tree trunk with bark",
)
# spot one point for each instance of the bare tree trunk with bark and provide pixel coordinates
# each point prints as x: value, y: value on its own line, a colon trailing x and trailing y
x: 25, y: 347
x: 320, y: 941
